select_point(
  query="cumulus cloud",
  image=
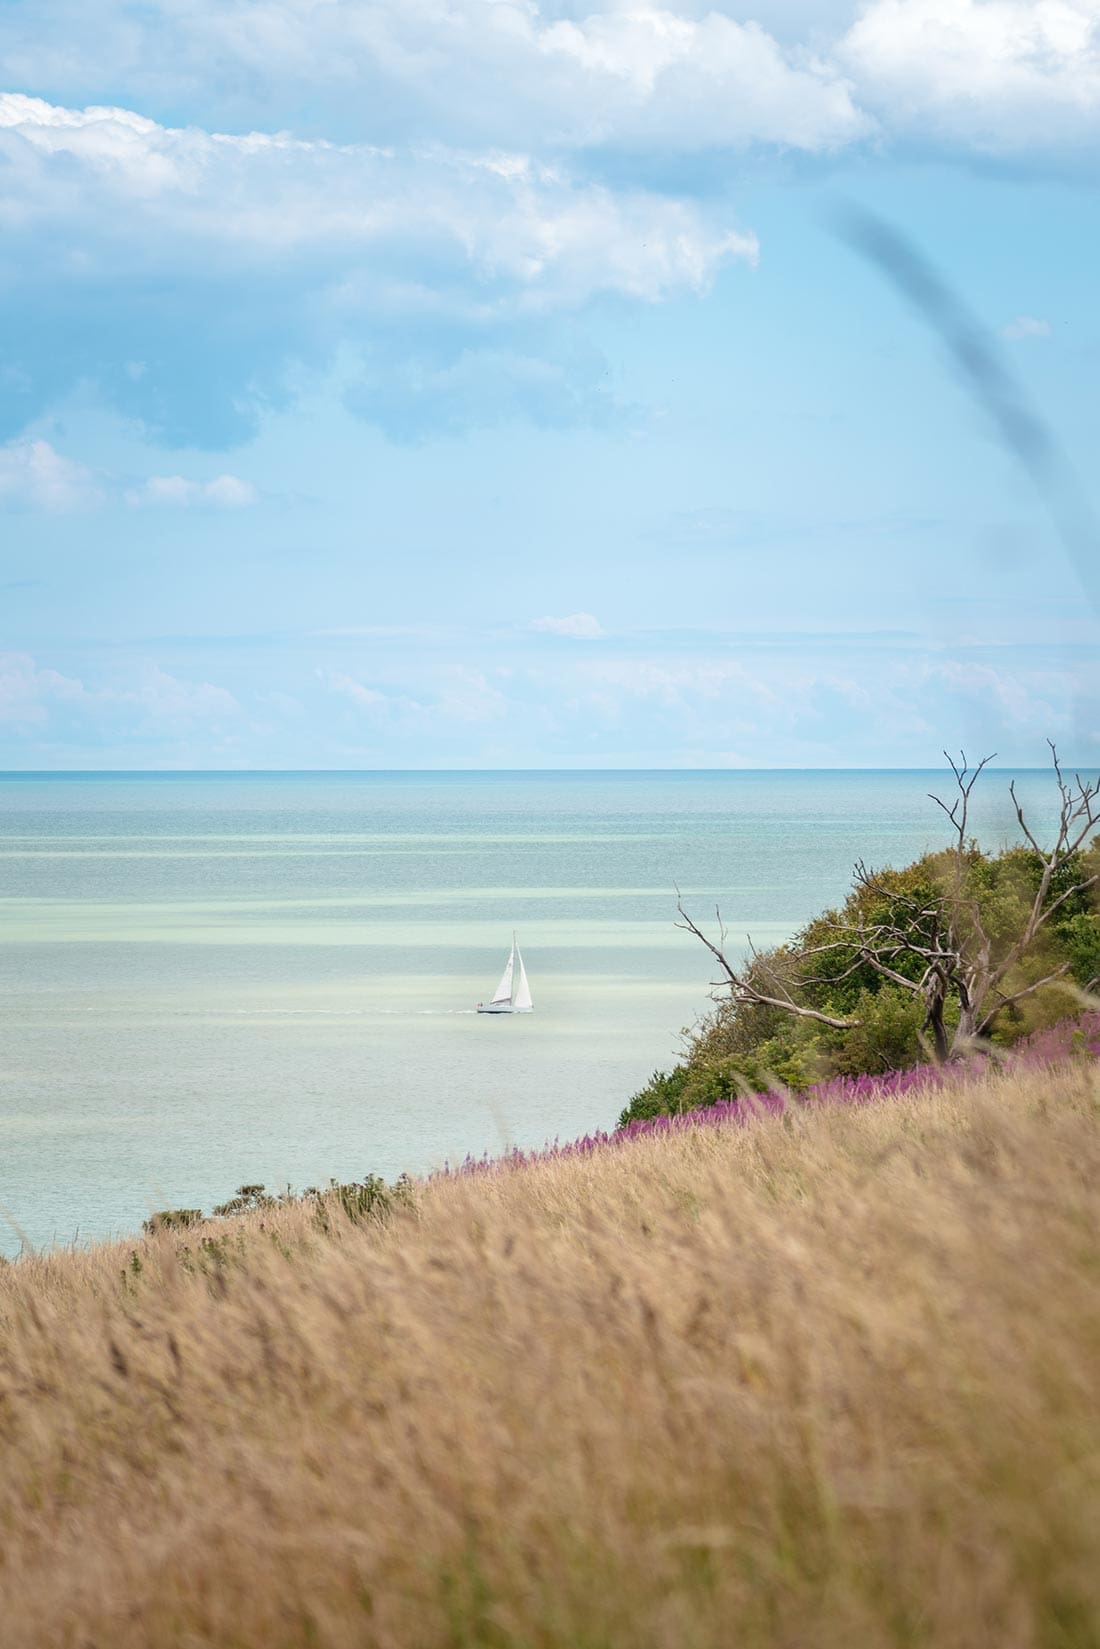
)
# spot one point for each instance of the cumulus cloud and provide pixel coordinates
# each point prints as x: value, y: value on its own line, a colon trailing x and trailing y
x: 579, y: 626
x: 27, y: 692
x: 1030, y: 701
x: 454, y: 192
x: 996, y: 74
x: 468, y: 696
x: 679, y: 683
x: 557, y: 77
x: 652, y: 707
x: 422, y: 388
x: 34, y: 475
x: 1026, y: 326
x: 367, y: 698
x: 225, y: 492
x: 441, y: 268
x: 823, y: 702
x: 37, y: 699
x: 463, y: 696
x: 645, y: 76
x: 687, y: 75
x: 649, y: 74
x: 168, y: 704
x: 507, y: 218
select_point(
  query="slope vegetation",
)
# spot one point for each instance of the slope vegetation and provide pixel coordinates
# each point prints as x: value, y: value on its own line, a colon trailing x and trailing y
x: 830, y: 1378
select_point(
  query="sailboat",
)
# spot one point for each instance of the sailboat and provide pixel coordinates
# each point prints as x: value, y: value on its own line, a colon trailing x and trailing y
x: 513, y: 994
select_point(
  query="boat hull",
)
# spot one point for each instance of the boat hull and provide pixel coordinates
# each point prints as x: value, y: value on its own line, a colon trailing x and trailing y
x: 491, y: 1009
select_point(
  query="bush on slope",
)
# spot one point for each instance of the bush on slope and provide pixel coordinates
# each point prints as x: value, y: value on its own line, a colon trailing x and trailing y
x: 744, y: 1046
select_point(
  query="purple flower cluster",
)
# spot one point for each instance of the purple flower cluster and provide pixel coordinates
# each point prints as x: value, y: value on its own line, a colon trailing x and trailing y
x: 1068, y: 1039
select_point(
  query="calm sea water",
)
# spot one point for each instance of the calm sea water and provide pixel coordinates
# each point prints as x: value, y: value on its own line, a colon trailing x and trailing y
x: 212, y: 979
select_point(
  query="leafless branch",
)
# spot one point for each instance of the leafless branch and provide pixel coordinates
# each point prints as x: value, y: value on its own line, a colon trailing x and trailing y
x: 965, y: 779
x: 887, y: 972
x: 1024, y: 826
x: 742, y: 986
x: 1017, y: 996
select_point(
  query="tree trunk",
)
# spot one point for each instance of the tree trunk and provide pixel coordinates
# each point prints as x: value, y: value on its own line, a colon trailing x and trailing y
x: 933, y: 1019
x: 965, y: 1032
x: 967, y: 1028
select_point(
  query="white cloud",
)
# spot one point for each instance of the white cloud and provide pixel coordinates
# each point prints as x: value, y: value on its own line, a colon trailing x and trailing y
x: 554, y: 77
x: 34, y: 475
x: 775, y: 709
x: 27, y: 693
x: 367, y: 698
x: 130, y: 192
x: 821, y: 706
x: 168, y: 704
x: 468, y: 696
x: 490, y: 164
x: 678, y: 683
x: 580, y: 626
x: 998, y: 74
x: 648, y: 74
x: 1026, y: 326
x: 487, y: 72
x: 463, y: 696
x: 227, y: 492
x: 154, y: 702
x: 1031, y: 701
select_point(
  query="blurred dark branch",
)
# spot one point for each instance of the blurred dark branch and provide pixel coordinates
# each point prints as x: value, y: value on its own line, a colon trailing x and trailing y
x: 980, y: 361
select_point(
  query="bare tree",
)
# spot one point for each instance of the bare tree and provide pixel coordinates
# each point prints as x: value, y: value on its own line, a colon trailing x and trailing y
x: 939, y: 948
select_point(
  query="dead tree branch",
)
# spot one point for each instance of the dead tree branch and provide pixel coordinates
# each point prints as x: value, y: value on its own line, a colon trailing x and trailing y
x: 743, y: 989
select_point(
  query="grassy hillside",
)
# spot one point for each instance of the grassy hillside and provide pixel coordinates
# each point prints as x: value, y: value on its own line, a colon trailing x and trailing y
x: 829, y: 1379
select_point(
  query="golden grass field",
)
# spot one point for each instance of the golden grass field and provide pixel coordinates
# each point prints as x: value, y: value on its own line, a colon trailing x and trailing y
x: 826, y: 1380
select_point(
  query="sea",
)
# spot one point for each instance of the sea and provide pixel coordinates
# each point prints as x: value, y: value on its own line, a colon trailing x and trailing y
x: 215, y: 979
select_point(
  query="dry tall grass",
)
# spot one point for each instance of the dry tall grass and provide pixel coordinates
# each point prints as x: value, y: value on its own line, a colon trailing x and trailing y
x: 825, y: 1381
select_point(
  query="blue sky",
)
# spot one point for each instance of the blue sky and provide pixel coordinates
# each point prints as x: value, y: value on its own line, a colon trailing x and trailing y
x: 484, y: 383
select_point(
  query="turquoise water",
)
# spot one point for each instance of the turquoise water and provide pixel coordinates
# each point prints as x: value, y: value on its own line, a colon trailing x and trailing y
x: 211, y: 979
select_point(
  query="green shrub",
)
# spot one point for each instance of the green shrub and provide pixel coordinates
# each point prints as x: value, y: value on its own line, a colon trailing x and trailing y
x: 1080, y: 934
x: 369, y: 1198
x: 888, y: 1036
x: 171, y: 1219
x: 247, y: 1200
x: 661, y: 1096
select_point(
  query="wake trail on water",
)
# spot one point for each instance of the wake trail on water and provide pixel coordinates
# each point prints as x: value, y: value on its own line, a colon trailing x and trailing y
x: 303, y: 1013
x: 353, y: 1013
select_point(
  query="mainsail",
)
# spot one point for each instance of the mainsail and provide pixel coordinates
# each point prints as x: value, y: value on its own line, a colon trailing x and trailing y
x: 502, y: 997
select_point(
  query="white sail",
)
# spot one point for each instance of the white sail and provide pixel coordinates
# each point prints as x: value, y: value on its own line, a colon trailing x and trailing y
x: 502, y: 997
x: 521, y: 1001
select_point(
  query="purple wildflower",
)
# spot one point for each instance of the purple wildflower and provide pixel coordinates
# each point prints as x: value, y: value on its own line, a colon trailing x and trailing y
x: 1078, y: 1037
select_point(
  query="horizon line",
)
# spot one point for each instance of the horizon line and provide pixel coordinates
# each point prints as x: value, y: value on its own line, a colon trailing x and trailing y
x: 468, y: 772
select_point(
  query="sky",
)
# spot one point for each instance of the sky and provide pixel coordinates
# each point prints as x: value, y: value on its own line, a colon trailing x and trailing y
x: 495, y: 384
